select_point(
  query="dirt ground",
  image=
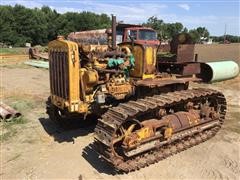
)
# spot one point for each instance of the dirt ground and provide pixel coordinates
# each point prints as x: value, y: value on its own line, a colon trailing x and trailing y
x: 34, y: 148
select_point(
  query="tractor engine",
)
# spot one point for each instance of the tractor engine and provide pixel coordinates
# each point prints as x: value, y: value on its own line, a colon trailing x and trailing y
x: 94, y: 74
x: 105, y: 73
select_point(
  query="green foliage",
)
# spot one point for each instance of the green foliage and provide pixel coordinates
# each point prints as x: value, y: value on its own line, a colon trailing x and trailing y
x: 10, y: 128
x: 195, y: 36
x: 19, y: 25
x: 164, y: 30
x: 199, y: 34
x: 230, y: 38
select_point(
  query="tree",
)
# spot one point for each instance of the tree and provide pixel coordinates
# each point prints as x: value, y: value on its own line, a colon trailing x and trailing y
x: 194, y: 35
x: 173, y: 29
x: 203, y: 32
x: 157, y: 25
x: 185, y: 30
x: 19, y: 25
x: 8, y: 34
x: 164, y: 30
x: 199, y: 34
x: 50, y: 15
x: 230, y: 38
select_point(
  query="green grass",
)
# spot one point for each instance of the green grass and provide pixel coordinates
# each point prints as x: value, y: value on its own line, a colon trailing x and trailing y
x: 21, y: 104
x: 14, y: 121
x: 7, y: 135
x: 24, y: 104
x: 19, y: 50
x: 10, y: 128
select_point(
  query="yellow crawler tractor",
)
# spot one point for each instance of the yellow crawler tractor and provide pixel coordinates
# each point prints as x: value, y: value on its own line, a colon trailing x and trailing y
x: 145, y: 116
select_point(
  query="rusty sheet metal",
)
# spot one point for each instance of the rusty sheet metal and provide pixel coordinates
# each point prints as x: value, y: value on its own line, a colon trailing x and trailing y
x: 7, y: 112
x: 34, y: 53
x: 89, y: 37
x: 163, y: 82
x: 182, y: 68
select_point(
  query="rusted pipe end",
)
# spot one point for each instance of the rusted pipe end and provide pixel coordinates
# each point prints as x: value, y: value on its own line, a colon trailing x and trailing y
x: 8, y: 116
x: 18, y: 114
x: 60, y: 37
x: 109, y: 31
x: 7, y: 112
x: 206, y: 73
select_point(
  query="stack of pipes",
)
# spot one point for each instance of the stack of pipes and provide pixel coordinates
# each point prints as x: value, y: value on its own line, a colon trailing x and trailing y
x: 7, y: 113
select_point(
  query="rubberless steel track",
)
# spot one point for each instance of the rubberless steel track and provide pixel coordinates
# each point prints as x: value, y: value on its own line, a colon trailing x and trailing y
x: 114, y: 117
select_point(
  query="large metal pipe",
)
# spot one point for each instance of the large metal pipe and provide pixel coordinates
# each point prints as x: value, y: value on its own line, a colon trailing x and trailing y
x: 40, y: 64
x: 6, y: 112
x: 10, y: 110
x: 218, y: 71
x: 114, y: 32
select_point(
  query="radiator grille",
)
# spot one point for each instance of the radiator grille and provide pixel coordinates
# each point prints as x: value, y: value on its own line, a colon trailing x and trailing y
x: 59, y: 74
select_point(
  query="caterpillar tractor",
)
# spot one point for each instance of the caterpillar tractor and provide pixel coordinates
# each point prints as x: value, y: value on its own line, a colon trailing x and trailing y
x: 144, y: 116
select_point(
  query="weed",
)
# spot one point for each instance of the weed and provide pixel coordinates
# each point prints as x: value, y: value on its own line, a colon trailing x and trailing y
x: 7, y: 135
x: 11, y: 128
x: 14, y: 121
x: 21, y: 104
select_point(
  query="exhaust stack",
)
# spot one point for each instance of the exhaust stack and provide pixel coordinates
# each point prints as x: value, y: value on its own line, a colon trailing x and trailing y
x: 114, y: 32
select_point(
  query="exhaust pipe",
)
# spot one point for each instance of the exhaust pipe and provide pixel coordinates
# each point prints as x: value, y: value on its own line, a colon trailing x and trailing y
x: 114, y: 32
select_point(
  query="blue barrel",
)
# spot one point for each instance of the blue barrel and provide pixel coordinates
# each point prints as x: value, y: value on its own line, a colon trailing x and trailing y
x: 218, y: 71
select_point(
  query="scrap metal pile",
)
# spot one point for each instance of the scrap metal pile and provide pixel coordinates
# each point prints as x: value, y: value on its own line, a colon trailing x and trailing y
x: 35, y: 53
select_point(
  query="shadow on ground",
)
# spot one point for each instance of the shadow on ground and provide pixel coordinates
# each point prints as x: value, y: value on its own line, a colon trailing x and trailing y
x: 73, y: 129
x: 67, y: 131
x: 92, y: 157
